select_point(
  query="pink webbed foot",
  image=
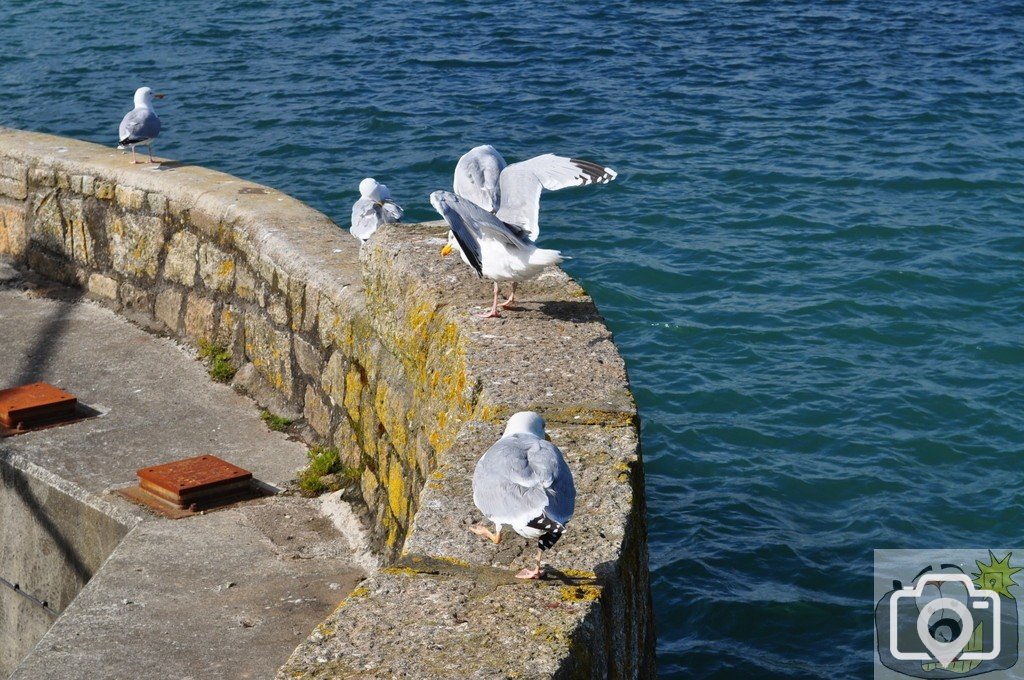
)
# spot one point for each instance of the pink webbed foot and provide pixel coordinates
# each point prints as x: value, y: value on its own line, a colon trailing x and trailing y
x: 530, y: 574
x: 492, y: 536
x: 492, y: 314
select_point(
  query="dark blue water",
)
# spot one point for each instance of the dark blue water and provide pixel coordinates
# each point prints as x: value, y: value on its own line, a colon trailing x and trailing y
x: 813, y: 258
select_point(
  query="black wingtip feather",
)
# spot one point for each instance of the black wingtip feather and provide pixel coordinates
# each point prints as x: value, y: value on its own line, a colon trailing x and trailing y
x: 593, y: 173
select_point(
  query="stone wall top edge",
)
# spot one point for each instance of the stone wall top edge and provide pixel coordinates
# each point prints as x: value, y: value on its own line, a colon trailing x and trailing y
x: 295, y: 237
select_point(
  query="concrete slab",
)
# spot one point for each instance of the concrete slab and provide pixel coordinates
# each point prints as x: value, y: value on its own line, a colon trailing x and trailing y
x: 228, y: 594
x: 157, y: 402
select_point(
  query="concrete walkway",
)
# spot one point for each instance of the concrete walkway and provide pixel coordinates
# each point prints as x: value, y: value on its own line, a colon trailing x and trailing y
x: 228, y: 594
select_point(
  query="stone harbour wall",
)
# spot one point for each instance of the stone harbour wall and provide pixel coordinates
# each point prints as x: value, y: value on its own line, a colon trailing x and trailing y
x: 376, y: 348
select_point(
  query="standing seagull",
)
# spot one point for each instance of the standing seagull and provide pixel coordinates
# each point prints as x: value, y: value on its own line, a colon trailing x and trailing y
x: 373, y: 209
x: 141, y: 125
x: 524, y: 481
x: 497, y: 251
x: 512, y: 192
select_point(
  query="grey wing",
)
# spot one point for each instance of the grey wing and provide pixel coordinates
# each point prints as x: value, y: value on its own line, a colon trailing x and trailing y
x: 504, y: 487
x: 392, y: 212
x: 470, y: 223
x: 477, y: 177
x: 521, y: 184
x: 552, y: 472
x: 365, y: 219
x: 138, y: 125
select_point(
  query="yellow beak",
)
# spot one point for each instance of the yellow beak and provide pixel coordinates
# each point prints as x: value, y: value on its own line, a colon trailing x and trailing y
x: 447, y: 250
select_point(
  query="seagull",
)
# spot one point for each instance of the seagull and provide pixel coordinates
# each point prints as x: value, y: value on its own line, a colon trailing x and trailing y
x: 512, y: 192
x: 494, y: 249
x: 524, y: 481
x: 373, y: 209
x: 141, y: 125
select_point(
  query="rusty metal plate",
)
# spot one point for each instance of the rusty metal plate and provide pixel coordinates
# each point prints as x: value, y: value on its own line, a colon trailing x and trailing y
x: 37, y: 407
x: 186, y: 487
x: 28, y: 405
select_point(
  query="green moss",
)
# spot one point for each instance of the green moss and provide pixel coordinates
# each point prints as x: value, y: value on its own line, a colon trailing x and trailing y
x: 326, y: 472
x: 276, y: 423
x: 220, y: 367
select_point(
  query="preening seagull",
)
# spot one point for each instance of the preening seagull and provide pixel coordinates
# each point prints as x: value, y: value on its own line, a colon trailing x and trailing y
x: 524, y: 481
x: 496, y: 250
x: 512, y: 192
x: 141, y: 125
x: 373, y: 209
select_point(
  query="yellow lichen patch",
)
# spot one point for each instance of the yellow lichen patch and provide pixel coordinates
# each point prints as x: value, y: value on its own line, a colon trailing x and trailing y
x: 548, y: 633
x: 401, y: 571
x: 353, y: 390
x: 583, y: 593
x: 577, y: 573
x: 325, y: 630
x: 360, y: 592
x: 397, y: 498
x: 226, y: 267
x: 453, y: 561
x: 394, y: 531
x: 437, y: 474
x: 395, y: 423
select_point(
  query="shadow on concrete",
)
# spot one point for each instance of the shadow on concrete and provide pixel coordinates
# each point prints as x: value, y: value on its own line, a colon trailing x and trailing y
x: 572, y: 311
x: 38, y: 358
x: 17, y: 481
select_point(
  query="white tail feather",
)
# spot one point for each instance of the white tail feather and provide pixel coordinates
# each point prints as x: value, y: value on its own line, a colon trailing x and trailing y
x: 545, y: 258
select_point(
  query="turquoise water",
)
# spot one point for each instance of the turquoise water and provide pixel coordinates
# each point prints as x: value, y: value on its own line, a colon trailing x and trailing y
x: 812, y: 258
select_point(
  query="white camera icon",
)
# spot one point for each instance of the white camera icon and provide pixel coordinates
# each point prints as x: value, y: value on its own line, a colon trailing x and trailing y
x: 946, y: 651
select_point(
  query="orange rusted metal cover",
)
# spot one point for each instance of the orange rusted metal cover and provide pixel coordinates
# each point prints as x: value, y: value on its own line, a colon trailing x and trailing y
x: 28, y: 404
x: 193, y: 480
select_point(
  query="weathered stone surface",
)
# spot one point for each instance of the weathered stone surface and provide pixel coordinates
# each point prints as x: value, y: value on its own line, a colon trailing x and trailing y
x: 308, y: 357
x: 182, y: 256
x: 127, y: 197
x: 231, y: 329
x: 78, y: 239
x: 277, y: 309
x: 13, y: 237
x: 136, y: 242
x: 216, y: 268
x: 270, y: 352
x: 13, y: 179
x: 136, y: 299
x: 200, y: 317
x: 317, y: 413
x: 168, y: 307
x: 245, y: 282
x: 104, y: 190
x: 103, y: 286
x: 47, y: 221
x: 458, y: 613
x: 333, y: 381
x: 42, y: 177
x: 157, y: 203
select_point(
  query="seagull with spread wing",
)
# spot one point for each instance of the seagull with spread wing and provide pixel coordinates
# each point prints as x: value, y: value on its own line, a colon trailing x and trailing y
x: 141, y: 125
x: 494, y: 249
x: 512, y: 192
x: 524, y: 481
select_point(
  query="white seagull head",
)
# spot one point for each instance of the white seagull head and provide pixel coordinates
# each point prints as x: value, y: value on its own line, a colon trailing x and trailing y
x: 525, y: 422
x: 373, y: 190
x: 144, y: 96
